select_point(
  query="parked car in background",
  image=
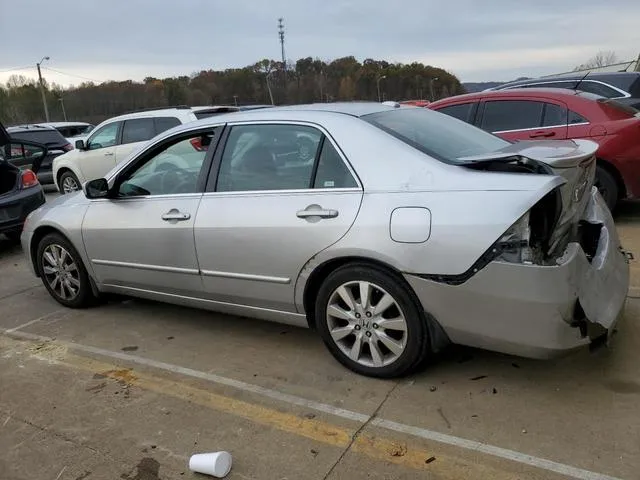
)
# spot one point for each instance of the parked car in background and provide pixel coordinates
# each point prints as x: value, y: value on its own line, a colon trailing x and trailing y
x: 622, y: 86
x: 113, y: 140
x: 20, y: 191
x: 407, y: 230
x: 55, y: 142
x: 548, y: 113
x: 415, y: 103
x: 71, y: 130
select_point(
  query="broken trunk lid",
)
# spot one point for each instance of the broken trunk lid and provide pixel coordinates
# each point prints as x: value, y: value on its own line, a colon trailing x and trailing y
x: 557, y: 154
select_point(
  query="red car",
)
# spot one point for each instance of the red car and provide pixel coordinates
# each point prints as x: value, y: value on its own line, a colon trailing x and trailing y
x: 549, y: 113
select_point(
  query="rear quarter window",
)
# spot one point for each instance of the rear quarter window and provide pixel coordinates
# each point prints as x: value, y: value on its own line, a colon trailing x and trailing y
x: 461, y: 111
x: 165, y: 123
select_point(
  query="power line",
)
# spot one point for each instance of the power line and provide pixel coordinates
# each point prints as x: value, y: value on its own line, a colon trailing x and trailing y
x: 16, y: 68
x: 72, y: 75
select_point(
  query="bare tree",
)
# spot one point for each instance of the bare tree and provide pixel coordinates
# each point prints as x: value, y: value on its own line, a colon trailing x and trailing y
x: 600, y: 59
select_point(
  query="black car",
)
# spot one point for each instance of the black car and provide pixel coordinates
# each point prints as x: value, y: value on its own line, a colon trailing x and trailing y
x: 20, y: 191
x: 623, y: 86
x: 46, y: 135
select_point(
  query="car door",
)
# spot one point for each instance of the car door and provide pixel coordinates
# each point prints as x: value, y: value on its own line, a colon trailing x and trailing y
x: 142, y: 236
x: 269, y: 210
x: 520, y: 119
x: 99, y: 155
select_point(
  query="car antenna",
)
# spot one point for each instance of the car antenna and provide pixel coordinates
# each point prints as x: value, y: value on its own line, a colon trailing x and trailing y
x: 581, y: 80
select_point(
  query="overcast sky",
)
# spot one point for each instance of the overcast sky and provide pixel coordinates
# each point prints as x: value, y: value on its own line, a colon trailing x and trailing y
x: 132, y: 39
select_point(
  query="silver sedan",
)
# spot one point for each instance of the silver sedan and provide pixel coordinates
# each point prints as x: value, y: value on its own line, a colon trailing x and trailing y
x: 399, y: 231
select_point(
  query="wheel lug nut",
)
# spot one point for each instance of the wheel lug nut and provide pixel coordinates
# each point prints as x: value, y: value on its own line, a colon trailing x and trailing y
x: 358, y: 315
x: 375, y: 325
x: 357, y: 327
x: 368, y: 334
x: 368, y: 314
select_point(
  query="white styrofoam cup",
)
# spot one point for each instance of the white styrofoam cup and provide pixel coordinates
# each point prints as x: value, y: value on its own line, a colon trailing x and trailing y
x: 217, y: 464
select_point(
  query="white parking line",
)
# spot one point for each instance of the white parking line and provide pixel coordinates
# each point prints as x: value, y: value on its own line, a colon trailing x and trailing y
x: 463, y: 443
x: 36, y: 320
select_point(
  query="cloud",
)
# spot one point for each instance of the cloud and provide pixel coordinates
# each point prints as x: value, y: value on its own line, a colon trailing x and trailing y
x: 136, y: 38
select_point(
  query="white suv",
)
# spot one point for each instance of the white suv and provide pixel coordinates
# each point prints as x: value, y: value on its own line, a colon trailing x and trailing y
x: 115, y: 139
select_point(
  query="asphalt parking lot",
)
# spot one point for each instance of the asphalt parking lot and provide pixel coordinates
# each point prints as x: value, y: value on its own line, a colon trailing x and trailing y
x: 129, y: 390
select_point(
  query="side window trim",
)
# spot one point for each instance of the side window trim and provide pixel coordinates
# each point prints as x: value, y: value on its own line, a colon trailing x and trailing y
x: 212, y: 180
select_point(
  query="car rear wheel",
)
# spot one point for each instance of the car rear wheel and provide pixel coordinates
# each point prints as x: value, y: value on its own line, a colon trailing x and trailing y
x: 63, y: 273
x: 607, y: 186
x: 69, y: 183
x: 370, y: 322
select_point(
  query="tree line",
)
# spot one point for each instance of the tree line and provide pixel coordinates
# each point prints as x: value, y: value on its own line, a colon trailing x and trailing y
x: 266, y: 82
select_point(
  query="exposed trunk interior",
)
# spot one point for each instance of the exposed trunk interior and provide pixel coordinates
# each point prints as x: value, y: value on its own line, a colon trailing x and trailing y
x: 8, y: 177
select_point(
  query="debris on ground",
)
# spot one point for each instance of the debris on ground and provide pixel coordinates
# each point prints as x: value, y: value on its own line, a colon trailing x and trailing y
x: 430, y: 459
x: 479, y: 377
x: 398, y: 450
x: 216, y: 464
x: 433, y: 388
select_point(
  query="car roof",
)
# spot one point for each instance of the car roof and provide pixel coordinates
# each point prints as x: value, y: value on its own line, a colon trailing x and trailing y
x: 30, y: 127
x: 557, y: 93
x: 64, y: 124
x: 314, y: 112
x: 602, y: 76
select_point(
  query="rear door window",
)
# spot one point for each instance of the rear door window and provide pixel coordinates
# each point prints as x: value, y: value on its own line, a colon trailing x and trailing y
x: 165, y: 123
x: 461, y: 111
x: 138, y: 130
x: 576, y: 118
x: 504, y: 115
x: 554, y: 115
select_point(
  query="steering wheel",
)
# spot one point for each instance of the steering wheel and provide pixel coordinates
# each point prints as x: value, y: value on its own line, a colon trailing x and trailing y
x: 174, y: 179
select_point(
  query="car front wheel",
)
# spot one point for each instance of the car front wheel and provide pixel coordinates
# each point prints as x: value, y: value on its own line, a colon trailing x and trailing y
x: 62, y: 272
x: 69, y: 183
x: 370, y: 322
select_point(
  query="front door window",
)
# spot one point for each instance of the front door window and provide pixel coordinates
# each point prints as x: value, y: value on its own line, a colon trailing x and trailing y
x: 107, y: 136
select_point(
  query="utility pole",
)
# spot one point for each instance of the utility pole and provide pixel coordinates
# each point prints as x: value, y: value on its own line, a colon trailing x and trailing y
x: 431, y: 87
x: 64, y: 113
x: 235, y: 100
x: 281, y: 35
x: 44, y: 97
x: 378, y: 85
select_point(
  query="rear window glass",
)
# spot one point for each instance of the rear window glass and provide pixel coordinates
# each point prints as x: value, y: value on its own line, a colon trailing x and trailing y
x: 438, y: 135
x: 47, y: 137
x: 165, y: 123
x: 554, y: 115
x: 505, y: 115
x: 138, y: 130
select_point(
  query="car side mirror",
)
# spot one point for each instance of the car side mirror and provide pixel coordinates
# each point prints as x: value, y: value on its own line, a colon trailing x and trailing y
x: 98, y: 188
x: 80, y: 145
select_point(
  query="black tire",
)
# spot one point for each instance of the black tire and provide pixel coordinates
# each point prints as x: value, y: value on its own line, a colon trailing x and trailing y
x: 70, y: 178
x: 417, y: 348
x: 607, y: 186
x: 84, y: 296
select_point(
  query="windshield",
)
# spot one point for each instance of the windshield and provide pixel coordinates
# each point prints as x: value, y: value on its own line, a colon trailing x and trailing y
x: 436, y: 134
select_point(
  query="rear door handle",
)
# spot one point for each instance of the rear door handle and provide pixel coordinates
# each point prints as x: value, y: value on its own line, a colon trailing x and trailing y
x: 542, y: 134
x: 108, y: 154
x: 174, y: 215
x: 317, y: 212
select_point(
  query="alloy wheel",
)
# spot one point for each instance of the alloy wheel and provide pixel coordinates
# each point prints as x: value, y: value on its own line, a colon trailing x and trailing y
x: 61, y: 272
x: 367, y: 324
x: 69, y: 185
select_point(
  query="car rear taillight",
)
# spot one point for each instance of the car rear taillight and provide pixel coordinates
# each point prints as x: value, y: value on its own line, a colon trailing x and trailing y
x: 197, y: 144
x: 67, y: 147
x: 28, y: 179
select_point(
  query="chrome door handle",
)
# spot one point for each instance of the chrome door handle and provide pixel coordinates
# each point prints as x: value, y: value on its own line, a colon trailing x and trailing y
x: 108, y: 154
x: 322, y: 213
x: 174, y: 215
x: 542, y: 134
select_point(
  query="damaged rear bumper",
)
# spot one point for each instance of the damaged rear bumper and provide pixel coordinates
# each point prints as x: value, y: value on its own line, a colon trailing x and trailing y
x: 532, y: 310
